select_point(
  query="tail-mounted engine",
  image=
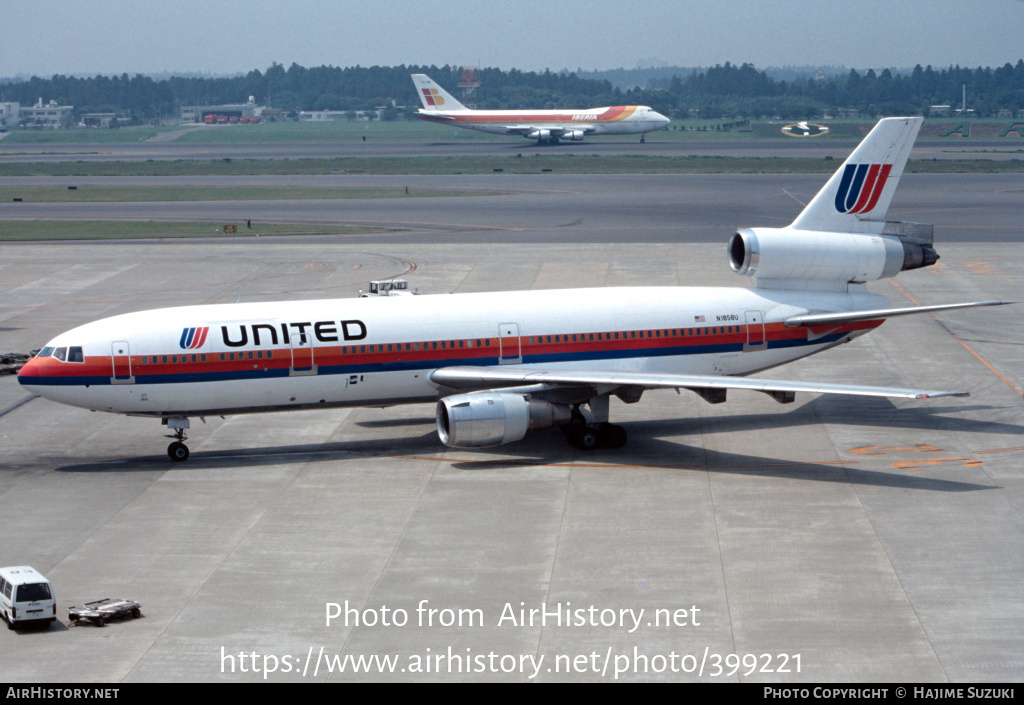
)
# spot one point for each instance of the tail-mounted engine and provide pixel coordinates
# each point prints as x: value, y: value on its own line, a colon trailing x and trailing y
x: 781, y: 256
x: 491, y: 419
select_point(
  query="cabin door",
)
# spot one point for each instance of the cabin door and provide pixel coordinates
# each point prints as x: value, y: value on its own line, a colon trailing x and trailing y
x: 121, y: 359
x: 510, y: 352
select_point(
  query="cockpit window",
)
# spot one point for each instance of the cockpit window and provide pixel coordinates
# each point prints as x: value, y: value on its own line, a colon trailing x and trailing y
x: 75, y: 354
x: 45, y: 352
x: 60, y: 353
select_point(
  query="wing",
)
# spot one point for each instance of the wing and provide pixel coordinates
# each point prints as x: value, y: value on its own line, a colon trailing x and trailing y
x: 600, y: 382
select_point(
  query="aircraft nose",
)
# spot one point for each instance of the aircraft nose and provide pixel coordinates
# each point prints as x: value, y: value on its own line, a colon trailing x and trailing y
x: 662, y: 119
x: 29, y: 372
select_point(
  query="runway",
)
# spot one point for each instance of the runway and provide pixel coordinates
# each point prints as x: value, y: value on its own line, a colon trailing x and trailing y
x: 828, y: 540
x: 547, y: 208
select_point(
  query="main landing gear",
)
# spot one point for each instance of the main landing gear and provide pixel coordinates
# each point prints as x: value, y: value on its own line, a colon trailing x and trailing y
x: 177, y: 451
x: 598, y: 432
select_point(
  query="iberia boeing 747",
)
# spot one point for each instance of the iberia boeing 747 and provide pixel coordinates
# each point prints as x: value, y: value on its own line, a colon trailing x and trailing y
x: 545, y: 126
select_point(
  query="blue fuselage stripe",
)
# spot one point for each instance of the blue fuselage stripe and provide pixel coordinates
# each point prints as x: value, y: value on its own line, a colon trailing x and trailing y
x: 141, y: 377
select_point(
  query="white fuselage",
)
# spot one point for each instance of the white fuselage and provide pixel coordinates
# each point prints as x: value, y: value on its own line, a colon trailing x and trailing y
x: 239, y: 358
x: 616, y: 120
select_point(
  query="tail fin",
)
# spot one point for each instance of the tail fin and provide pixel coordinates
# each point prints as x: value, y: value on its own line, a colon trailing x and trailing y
x: 433, y: 96
x: 857, y: 197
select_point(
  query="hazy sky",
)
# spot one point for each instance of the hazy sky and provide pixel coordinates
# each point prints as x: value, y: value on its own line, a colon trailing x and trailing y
x: 86, y: 37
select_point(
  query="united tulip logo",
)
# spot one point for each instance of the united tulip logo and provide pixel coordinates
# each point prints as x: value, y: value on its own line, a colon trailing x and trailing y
x: 860, y: 187
x: 193, y: 338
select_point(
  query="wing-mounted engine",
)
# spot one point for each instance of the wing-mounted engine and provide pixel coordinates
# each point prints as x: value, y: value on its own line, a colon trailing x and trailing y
x: 792, y: 258
x: 572, y: 135
x: 494, y: 418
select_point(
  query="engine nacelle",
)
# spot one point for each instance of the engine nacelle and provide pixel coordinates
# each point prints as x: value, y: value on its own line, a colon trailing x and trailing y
x: 785, y: 254
x: 540, y: 135
x: 573, y: 136
x: 491, y: 419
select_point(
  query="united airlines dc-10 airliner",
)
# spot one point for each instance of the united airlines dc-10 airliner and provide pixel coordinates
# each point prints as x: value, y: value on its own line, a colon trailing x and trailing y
x: 499, y: 365
x: 545, y: 126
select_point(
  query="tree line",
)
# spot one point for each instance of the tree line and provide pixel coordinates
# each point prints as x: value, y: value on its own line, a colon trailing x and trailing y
x: 722, y: 90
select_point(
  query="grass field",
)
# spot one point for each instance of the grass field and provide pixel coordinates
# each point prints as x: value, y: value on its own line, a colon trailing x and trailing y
x: 419, y: 131
x: 93, y: 194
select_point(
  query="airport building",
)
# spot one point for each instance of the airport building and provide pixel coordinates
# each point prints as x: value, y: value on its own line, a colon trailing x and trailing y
x: 50, y: 116
x: 229, y: 113
x: 9, y: 113
x: 336, y: 115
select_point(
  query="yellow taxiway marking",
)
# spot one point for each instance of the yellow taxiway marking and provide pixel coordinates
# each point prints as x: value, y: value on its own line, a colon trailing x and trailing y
x: 969, y: 349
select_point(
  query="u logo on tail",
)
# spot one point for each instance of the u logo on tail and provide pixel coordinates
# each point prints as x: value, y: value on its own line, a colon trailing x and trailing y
x: 860, y: 187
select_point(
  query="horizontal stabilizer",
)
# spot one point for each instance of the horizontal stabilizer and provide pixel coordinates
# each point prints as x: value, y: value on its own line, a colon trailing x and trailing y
x: 822, y: 319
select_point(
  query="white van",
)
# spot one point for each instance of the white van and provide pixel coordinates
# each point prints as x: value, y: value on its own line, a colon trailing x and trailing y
x: 25, y: 596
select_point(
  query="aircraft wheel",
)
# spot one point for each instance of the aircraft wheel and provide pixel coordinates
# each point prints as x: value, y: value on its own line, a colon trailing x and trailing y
x: 177, y: 451
x: 583, y: 438
x: 611, y: 435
